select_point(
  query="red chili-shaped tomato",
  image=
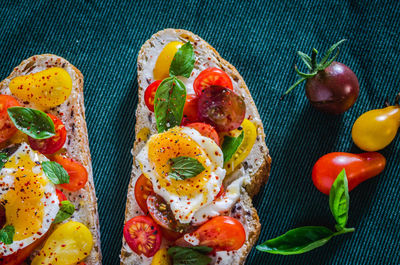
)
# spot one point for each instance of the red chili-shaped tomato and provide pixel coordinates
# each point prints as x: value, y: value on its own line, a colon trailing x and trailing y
x: 52, y: 144
x: 359, y: 167
x: 190, y: 109
x: 211, y: 77
x: 61, y: 196
x: 143, y: 235
x: 143, y: 188
x: 7, y: 128
x: 222, y: 233
x: 150, y: 93
x: 206, y: 130
x: 78, y: 176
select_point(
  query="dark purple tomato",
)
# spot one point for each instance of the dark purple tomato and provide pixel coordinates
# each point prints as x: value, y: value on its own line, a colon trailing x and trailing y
x: 333, y: 90
x: 221, y: 108
x: 2, y: 216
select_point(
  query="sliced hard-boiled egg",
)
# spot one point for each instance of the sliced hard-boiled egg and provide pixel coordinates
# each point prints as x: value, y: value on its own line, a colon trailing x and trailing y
x: 29, y: 198
x: 187, y: 196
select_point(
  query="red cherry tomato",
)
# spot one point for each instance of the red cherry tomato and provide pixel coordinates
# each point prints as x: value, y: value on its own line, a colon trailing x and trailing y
x: 206, y: 130
x: 211, y: 77
x: 143, y: 188
x: 222, y: 233
x: 150, y: 93
x: 61, y: 196
x: 7, y: 128
x: 143, y: 235
x: 170, y: 235
x: 190, y: 110
x: 78, y: 176
x: 21, y: 255
x: 222, y: 108
x: 359, y: 167
x: 52, y: 144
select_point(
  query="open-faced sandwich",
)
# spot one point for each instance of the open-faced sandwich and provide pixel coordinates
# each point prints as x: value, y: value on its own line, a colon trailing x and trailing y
x: 48, y: 209
x: 199, y: 157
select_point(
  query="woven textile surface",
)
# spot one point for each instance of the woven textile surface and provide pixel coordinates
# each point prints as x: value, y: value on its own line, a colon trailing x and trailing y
x: 102, y: 39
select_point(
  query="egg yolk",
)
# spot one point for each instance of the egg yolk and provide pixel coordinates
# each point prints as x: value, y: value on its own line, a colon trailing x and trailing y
x: 171, y: 144
x: 161, y: 69
x: 22, y: 203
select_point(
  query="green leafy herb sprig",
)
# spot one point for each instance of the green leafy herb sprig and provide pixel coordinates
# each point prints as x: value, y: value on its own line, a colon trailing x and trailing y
x: 3, y: 159
x: 170, y: 96
x: 65, y: 212
x: 55, y: 172
x: 7, y: 234
x: 184, y: 167
x: 190, y: 255
x: 313, y: 66
x: 230, y: 145
x: 32, y: 122
x: 307, y: 238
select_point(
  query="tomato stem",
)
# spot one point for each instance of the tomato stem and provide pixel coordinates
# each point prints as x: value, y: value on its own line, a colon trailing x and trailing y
x: 298, y: 82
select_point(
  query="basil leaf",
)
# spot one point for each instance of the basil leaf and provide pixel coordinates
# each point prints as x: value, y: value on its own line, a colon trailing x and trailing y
x: 55, y: 172
x: 34, y: 123
x: 339, y: 200
x: 183, y: 62
x: 169, y: 100
x: 230, y: 145
x: 3, y: 159
x: 184, y: 167
x: 190, y: 255
x: 7, y: 234
x: 66, y: 210
x: 297, y: 241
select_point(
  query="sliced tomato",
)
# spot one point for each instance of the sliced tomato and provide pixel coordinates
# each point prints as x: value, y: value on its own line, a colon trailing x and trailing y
x: 78, y: 175
x: 190, y: 109
x: 211, y: 77
x: 150, y: 93
x: 21, y: 255
x: 143, y: 188
x: 206, y: 130
x: 143, y: 235
x: 61, y: 196
x: 222, y: 233
x: 52, y: 144
x: 7, y: 128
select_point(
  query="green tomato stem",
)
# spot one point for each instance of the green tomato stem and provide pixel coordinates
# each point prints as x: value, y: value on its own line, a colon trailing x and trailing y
x: 344, y: 231
x: 298, y: 82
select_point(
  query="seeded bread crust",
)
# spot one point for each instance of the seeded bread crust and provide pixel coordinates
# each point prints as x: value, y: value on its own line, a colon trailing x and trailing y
x: 77, y: 143
x: 243, y: 210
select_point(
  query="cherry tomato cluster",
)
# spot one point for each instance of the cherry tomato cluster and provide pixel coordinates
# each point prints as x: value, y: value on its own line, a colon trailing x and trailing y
x: 50, y: 146
x: 214, y: 107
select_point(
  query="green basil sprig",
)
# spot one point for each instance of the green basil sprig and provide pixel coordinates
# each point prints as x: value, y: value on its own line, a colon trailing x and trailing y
x: 7, y: 234
x: 184, y: 167
x: 183, y: 62
x: 169, y: 100
x: 34, y: 123
x: 55, y: 172
x: 304, y: 239
x: 190, y: 255
x: 65, y: 212
x: 230, y: 145
x: 3, y: 159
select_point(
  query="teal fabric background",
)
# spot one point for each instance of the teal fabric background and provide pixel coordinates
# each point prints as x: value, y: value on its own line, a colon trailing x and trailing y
x: 102, y: 39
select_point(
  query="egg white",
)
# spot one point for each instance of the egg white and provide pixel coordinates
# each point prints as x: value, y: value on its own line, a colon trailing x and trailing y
x: 51, y: 202
x: 184, y: 208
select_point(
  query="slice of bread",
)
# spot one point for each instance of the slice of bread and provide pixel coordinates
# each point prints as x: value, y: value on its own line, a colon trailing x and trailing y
x: 72, y: 114
x: 256, y: 165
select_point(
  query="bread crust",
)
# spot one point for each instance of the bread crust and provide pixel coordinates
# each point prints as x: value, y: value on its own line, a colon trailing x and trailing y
x: 258, y: 178
x: 77, y: 145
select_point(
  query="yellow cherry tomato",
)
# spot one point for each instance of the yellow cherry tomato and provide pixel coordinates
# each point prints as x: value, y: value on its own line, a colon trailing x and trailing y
x: 249, y: 138
x: 69, y: 244
x: 47, y: 88
x: 376, y: 129
x: 161, y: 258
x: 161, y: 69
